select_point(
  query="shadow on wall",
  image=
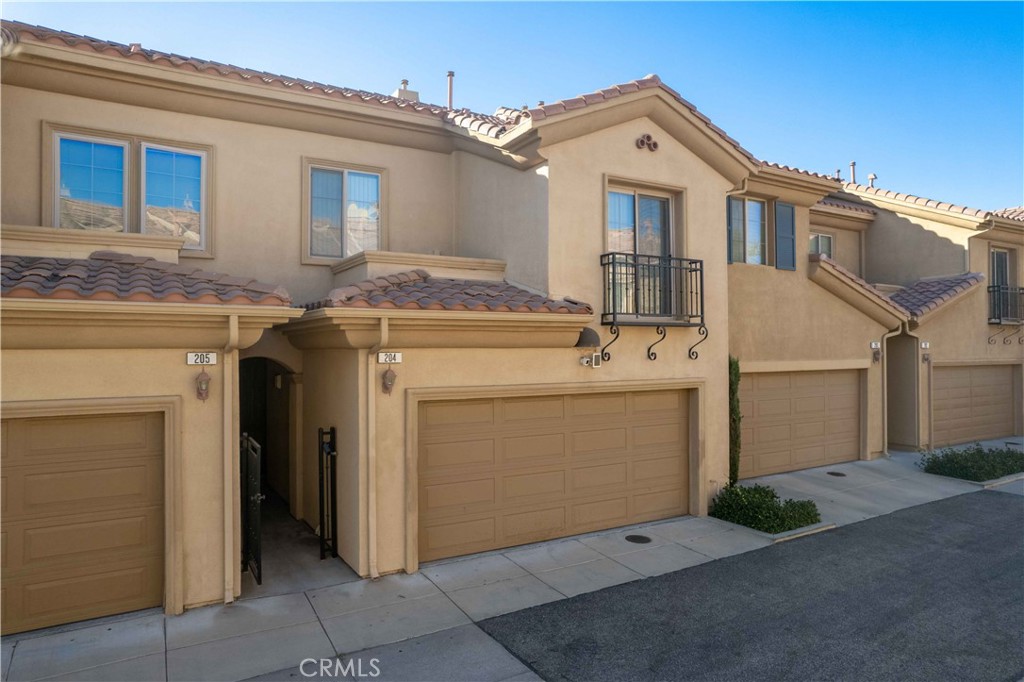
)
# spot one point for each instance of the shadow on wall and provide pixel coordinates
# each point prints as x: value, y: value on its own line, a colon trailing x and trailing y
x: 893, y: 238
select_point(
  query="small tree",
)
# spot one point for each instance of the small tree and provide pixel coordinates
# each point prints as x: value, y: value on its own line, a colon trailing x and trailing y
x: 734, y: 420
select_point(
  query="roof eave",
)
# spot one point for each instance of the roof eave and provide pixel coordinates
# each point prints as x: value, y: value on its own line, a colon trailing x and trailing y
x: 359, y: 328
x: 877, y: 307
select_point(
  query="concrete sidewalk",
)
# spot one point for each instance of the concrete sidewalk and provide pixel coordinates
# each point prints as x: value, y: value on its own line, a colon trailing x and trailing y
x: 421, y: 626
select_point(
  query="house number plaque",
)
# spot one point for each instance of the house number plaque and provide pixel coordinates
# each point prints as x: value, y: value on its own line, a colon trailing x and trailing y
x: 201, y: 358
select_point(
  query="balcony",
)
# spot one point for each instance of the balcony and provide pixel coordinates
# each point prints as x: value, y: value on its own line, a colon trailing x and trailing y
x: 655, y: 291
x: 1005, y: 305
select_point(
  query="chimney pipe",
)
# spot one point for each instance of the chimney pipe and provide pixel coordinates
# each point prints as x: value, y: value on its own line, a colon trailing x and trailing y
x: 871, y: 179
x: 451, y: 84
x: 853, y: 172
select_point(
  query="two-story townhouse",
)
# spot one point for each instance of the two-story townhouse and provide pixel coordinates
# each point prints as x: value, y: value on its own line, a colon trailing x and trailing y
x: 955, y: 370
x: 447, y: 238
x: 516, y: 324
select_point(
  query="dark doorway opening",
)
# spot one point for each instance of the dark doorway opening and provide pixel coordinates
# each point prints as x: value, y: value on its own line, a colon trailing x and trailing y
x: 289, y: 548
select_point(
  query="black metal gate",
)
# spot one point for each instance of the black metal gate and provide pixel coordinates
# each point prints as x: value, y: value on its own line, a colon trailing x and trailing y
x: 252, y: 505
x: 328, y: 493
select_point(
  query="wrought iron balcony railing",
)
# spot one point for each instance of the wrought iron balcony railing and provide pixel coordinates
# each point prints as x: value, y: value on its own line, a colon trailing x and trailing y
x: 1005, y: 305
x: 652, y: 290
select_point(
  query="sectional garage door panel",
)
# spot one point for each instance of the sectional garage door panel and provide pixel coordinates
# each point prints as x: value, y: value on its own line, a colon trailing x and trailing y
x: 972, y: 403
x: 83, y: 519
x: 798, y: 420
x: 500, y: 472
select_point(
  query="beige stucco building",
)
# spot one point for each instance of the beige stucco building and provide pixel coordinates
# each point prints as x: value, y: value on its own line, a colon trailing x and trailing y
x: 517, y: 324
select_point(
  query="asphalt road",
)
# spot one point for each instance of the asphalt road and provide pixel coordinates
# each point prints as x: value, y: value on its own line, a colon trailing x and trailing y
x: 934, y: 592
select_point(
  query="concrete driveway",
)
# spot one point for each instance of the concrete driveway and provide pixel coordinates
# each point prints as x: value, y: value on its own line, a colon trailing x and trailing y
x: 928, y: 593
x: 427, y: 626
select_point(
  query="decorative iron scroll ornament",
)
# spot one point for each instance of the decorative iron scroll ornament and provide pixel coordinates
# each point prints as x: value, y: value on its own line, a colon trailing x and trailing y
x: 605, y: 355
x: 703, y: 331
x: 651, y: 355
x: 1008, y: 339
x: 646, y: 142
x: 992, y: 339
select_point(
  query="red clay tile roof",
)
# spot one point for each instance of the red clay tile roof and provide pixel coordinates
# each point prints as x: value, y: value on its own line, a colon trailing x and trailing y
x: 846, y: 205
x: 926, y: 295
x: 1014, y: 213
x: 920, y: 201
x: 14, y: 31
x: 800, y: 171
x: 110, y: 276
x: 543, y: 111
x: 493, y: 126
x: 857, y: 282
x: 417, y: 290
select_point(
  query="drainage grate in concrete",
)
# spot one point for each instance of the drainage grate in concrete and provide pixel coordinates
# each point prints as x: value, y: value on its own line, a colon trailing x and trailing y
x: 835, y: 473
x: 638, y: 539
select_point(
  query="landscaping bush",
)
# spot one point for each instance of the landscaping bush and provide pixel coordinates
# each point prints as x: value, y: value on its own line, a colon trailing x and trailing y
x: 759, y: 507
x: 973, y: 463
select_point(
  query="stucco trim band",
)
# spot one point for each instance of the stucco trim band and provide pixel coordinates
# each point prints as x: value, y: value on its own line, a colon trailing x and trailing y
x: 805, y: 365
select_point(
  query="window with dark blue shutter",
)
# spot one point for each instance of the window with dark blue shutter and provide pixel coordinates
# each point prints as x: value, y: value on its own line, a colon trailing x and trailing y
x: 785, y: 236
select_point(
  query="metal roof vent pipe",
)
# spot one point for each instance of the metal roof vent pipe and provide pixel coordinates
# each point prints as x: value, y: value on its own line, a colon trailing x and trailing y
x: 853, y: 172
x: 404, y: 92
x: 871, y: 180
x: 451, y: 85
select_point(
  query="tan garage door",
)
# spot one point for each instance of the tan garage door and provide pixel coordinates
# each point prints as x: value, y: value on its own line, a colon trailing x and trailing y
x: 798, y: 420
x: 82, y: 518
x: 972, y: 403
x: 507, y: 471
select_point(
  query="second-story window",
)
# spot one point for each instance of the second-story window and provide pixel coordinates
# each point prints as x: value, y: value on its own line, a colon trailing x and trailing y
x: 126, y: 183
x: 761, y: 232
x: 92, y: 177
x: 174, y: 194
x: 821, y: 243
x: 344, y: 214
x: 748, y: 226
x: 640, y: 231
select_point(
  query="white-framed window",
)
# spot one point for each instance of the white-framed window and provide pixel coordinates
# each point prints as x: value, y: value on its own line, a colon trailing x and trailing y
x: 821, y: 244
x: 125, y: 183
x: 639, y: 223
x: 344, y: 211
x: 174, y: 193
x: 91, y: 181
x: 748, y: 229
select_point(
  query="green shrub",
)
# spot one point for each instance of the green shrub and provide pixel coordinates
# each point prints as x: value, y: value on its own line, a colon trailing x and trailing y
x: 759, y: 507
x: 734, y: 420
x: 973, y: 463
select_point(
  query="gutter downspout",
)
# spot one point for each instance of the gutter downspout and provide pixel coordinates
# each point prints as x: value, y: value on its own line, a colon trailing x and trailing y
x: 371, y: 448
x: 885, y: 386
x: 230, y: 457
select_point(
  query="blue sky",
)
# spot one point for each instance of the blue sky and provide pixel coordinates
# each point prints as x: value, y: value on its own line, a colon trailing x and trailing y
x: 928, y: 96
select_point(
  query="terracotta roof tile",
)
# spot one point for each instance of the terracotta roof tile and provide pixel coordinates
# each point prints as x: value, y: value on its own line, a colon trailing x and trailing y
x: 919, y: 201
x: 926, y: 295
x: 800, y: 171
x: 16, y: 30
x: 857, y: 281
x: 417, y: 290
x: 846, y: 205
x: 111, y: 276
x: 1014, y: 213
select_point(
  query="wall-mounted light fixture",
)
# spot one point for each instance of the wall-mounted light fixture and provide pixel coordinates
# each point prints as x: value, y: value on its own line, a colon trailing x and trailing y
x: 589, y: 342
x: 876, y: 351
x: 387, y: 380
x: 203, y: 385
